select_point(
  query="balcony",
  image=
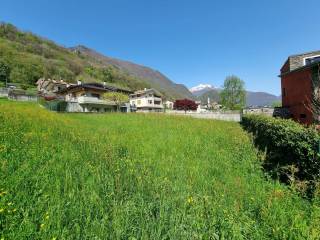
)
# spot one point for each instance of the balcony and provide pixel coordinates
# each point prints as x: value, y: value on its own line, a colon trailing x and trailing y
x: 148, y: 105
x: 93, y: 100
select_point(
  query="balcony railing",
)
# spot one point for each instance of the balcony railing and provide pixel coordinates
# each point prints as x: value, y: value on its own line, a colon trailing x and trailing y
x: 150, y: 105
x: 92, y: 100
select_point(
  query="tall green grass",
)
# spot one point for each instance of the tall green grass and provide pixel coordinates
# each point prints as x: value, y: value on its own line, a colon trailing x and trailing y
x: 131, y: 176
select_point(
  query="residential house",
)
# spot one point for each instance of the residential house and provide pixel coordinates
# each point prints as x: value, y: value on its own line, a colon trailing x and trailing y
x: 300, y: 86
x: 168, y: 104
x: 88, y: 97
x: 146, y: 100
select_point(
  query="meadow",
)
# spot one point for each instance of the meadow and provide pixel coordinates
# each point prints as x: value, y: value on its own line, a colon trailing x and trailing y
x: 139, y: 176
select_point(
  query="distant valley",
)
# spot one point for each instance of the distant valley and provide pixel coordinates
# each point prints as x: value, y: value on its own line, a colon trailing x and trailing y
x: 204, y: 91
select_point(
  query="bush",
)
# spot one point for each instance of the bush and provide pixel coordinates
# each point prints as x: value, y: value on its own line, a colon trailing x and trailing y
x: 55, y: 105
x: 185, y: 104
x: 288, y: 145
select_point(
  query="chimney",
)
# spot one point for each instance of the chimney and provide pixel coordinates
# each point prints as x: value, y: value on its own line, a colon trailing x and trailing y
x: 79, y: 82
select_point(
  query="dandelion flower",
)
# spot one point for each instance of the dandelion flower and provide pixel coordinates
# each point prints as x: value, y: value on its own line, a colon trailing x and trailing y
x: 190, y: 200
x: 42, y: 225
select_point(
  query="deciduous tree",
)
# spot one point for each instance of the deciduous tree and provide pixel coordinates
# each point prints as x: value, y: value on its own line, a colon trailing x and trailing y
x: 117, y: 97
x: 4, y: 71
x: 233, y: 95
x: 185, y: 104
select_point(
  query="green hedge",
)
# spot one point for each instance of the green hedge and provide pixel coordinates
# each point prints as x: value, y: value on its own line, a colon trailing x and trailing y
x: 287, y: 144
x: 54, y: 105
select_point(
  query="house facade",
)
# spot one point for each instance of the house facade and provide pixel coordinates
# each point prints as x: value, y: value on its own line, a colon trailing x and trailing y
x: 168, y: 104
x: 147, y: 100
x: 88, y: 98
x: 300, y: 86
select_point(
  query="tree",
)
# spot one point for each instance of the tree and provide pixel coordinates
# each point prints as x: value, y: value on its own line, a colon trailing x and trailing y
x: 313, y: 103
x: 4, y: 72
x: 108, y: 74
x: 276, y: 104
x: 185, y: 104
x: 117, y: 97
x: 233, y: 95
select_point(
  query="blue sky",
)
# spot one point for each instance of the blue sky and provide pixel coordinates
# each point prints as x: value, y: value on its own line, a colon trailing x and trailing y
x: 191, y: 42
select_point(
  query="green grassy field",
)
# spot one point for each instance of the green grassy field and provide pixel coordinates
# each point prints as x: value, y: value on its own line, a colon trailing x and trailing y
x: 132, y: 176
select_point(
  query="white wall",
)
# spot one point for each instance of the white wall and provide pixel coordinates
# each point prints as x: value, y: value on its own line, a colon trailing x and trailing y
x: 144, y: 102
x: 234, y: 116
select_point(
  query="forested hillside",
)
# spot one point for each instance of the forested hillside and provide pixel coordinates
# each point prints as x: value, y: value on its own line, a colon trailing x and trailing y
x: 25, y: 57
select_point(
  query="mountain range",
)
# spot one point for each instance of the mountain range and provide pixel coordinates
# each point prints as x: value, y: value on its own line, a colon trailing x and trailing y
x: 204, y: 91
x: 151, y: 77
x: 201, y: 89
x: 30, y: 57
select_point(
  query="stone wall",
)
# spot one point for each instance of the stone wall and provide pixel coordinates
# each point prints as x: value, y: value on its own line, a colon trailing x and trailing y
x: 263, y: 111
x: 23, y: 98
x: 4, y: 92
x: 234, y: 116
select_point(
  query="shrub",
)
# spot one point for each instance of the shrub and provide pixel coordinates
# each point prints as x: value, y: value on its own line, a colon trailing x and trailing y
x: 55, y: 105
x: 287, y: 144
x: 185, y: 104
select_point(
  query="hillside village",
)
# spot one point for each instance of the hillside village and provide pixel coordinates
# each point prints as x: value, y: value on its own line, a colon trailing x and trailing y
x: 299, y: 104
x: 81, y: 64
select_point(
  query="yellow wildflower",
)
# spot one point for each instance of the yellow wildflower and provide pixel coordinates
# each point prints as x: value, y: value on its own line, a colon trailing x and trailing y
x: 1, y: 210
x: 3, y: 193
x: 42, y: 225
x: 190, y: 200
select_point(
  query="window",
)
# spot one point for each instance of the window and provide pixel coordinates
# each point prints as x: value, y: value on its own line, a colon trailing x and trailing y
x: 302, y: 115
x: 311, y: 60
x: 150, y: 101
x: 283, y: 92
x: 157, y: 102
x: 95, y: 95
x: 138, y: 102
